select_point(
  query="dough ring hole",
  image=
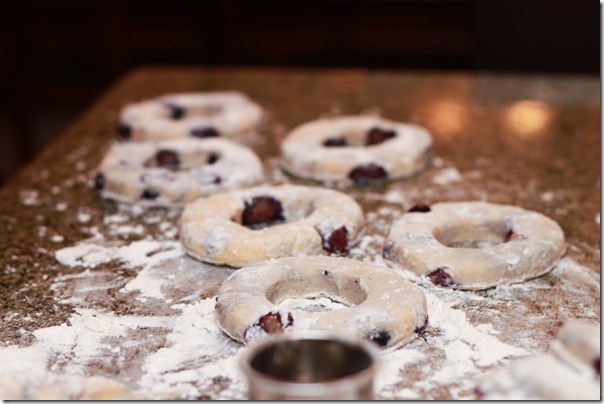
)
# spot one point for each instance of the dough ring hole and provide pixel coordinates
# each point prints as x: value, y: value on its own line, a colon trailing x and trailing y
x: 373, y: 136
x: 175, y: 161
x: 265, y: 211
x: 317, y: 294
x: 474, y: 236
x: 305, y: 295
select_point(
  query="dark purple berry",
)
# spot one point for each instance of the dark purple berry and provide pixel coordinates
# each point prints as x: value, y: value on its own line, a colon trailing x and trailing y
x: 368, y: 174
x: 479, y: 393
x: 336, y: 242
x: 327, y: 274
x: 378, y: 135
x: 212, y: 158
x: 596, y: 365
x: 441, y: 277
x: 149, y: 194
x: 379, y: 337
x: 167, y: 159
x: 205, y: 132
x: 124, y: 131
x: 99, y: 181
x: 261, y: 210
x: 271, y: 323
x: 217, y: 179
x: 176, y: 111
x: 420, y: 207
x: 388, y: 247
x: 511, y: 235
x: 335, y: 142
x: 422, y: 329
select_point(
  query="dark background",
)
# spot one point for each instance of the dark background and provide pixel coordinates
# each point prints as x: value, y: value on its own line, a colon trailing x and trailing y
x: 56, y: 56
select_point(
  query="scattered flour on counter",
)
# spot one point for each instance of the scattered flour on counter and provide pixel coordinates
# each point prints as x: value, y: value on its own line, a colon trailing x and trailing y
x: 547, y: 196
x: 30, y: 197
x: 89, y: 333
x: 83, y: 217
x: 143, y: 253
x: 467, y: 349
x: 86, y: 255
x: 396, y: 196
x: 148, y: 254
x: 117, y: 218
x: 198, y: 360
x: 391, y: 367
x: 438, y: 162
x: 139, y: 253
x: 71, y: 347
x: 57, y: 238
x: 197, y: 354
x: 22, y: 359
x: 447, y: 176
x: 486, y: 349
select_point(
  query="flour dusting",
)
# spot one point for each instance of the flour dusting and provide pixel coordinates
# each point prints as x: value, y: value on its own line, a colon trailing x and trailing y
x: 138, y: 304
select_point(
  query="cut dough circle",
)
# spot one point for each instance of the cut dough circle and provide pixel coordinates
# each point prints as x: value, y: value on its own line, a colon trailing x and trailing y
x: 569, y: 371
x: 374, y: 301
x: 227, y: 114
x: 175, y: 171
x: 475, y: 245
x: 578, y: 344
x: 302, y: 221
x: 359, y: 149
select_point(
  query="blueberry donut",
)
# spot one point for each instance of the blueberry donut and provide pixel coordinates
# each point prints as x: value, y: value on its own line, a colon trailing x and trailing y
x: 359, y: 149
x: 177, y: 171
x: 475, y: 245
x: 227, y: 114
x: 246, y: 226
x: 360, y: 298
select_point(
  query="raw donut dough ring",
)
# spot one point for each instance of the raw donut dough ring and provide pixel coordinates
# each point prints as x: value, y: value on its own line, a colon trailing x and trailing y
x: 348, y: 149
x: 229, y: 114
x: 378, y: 303
x: 494, y: 244
x: 569, y: 371
x: 317, y: 221
x: 175, y: 171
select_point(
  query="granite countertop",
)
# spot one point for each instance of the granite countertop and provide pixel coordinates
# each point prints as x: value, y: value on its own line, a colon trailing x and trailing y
x: 139, y: 318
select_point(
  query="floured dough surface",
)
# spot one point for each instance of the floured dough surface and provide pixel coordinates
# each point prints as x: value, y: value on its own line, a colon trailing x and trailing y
x: 475, y: 245
x: 566, y: 372
x: 58, y: 387
x: 375, y: 302
x: 175, y: 171
x: 229, y: 114
x: 312, y: 220
x: 358, y: 149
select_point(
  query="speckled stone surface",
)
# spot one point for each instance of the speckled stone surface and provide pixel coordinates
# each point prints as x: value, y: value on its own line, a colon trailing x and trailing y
x: 526, y: 140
